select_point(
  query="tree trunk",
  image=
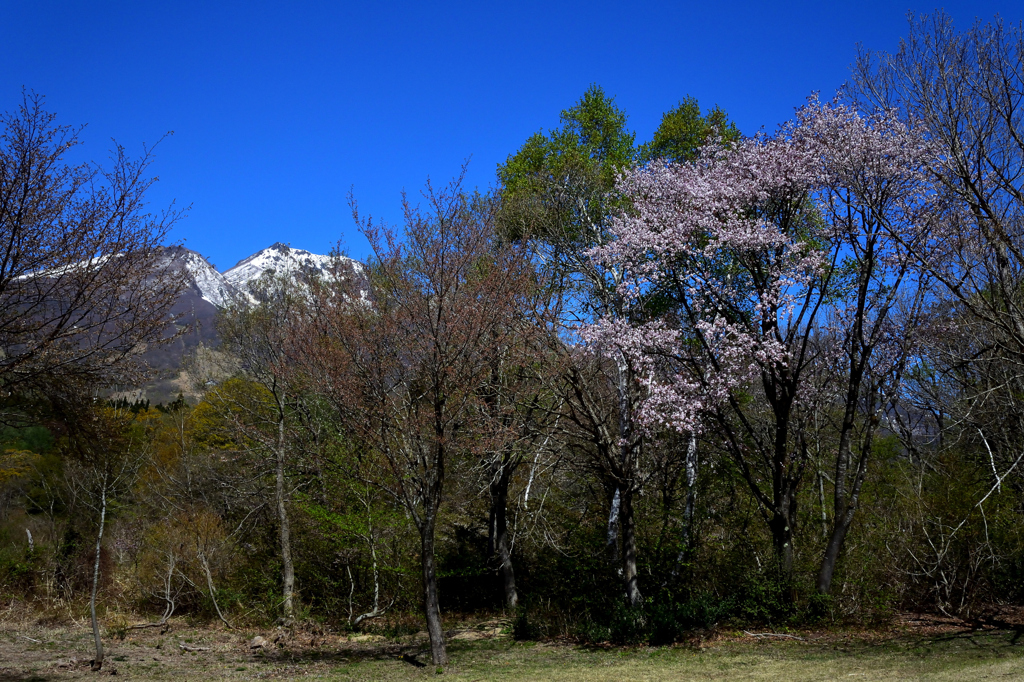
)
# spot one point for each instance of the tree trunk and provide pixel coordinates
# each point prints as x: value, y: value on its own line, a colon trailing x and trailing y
x: 498, y: 543
x: 784, y: 484
x: 821, y: 501
x: 612, y: 543
x: 97, y: 662
x: 781, y: 526
x: 376, y: 611
x: 691, y: 501
x: 431, y: 601
x: 832, y: 550
x: 287, y: 569
x: 213, y: 590
x: 846, y: 507
x: 691, y: 493
x: 628, y: 525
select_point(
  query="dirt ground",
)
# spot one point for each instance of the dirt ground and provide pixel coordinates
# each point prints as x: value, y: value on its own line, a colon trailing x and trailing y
x: 914, y: 647
x: 180, y: 651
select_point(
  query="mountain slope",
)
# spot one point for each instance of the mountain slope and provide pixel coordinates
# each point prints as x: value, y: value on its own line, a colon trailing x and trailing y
x: 204, y: 280
x: 206, y: 291
x: 196, y: 308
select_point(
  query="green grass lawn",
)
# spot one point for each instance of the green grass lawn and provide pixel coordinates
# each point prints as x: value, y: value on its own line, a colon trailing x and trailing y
x: 983, y: 656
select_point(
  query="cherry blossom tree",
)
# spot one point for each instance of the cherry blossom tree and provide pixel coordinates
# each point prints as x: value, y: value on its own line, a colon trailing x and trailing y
x: 756, y: 269
x: 559, y: 195
x: 878, y: 201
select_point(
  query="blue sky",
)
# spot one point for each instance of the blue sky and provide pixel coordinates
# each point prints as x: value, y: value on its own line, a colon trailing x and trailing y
x: 279, y: 108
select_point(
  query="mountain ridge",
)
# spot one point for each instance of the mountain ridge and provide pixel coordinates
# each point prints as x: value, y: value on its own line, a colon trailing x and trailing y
x: 219, y: 288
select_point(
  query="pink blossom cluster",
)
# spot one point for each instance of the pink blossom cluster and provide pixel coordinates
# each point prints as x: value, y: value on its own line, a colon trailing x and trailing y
x: 749, y: 244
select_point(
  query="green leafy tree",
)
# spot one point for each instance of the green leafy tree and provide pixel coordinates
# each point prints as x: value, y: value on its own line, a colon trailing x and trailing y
x: 554, y: 188
x: 684, y: 130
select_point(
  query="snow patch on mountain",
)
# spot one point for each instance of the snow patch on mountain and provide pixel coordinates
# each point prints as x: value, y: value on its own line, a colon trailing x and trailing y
x: 211, y: 285
x: 280, y: 259
x: 216, y: 288
x: 90, y: 264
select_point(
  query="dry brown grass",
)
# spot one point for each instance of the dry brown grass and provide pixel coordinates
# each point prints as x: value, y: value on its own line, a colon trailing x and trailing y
x: 943, y: 651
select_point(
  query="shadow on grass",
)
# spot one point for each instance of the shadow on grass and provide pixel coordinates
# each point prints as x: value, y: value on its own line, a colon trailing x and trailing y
x: 963, y: 645
x: 416, y: 654
x: 11, y: 676
x: 998, y: 641
x: 967, y: 642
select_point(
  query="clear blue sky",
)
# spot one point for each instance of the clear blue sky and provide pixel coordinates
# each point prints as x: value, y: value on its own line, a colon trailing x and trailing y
x: 278, y: 108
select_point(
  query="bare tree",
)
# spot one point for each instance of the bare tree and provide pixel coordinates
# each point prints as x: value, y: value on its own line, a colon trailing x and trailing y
x: 965, y: 91
x: 82, y: 290
x: 403, y: 355
x: 107, y: 450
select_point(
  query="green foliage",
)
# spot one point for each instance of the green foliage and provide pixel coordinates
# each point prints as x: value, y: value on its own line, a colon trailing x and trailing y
x: 595, y: 130
x: 684, y: 130
x: 18, y: 567
x: 175, y: 405
x: 592, y: 137
x: 765, y: 597
x: 578, y: 579
x: 658, y: 621
x: 336, y: 535
x: 465, y: 580
x: 555, y: 186
x: 628, y: 624
x: 669, y: 620
x: 525, y: 628
x: 135, y: 407
x: 37, y: 439
x: 821, y: 608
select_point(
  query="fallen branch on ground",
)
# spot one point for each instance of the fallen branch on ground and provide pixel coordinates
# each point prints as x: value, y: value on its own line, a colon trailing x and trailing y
x: 142, y: 626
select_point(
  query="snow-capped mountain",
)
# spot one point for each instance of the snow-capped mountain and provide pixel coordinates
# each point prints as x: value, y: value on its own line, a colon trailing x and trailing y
x: 280, y: 259
x: 206, y: 291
